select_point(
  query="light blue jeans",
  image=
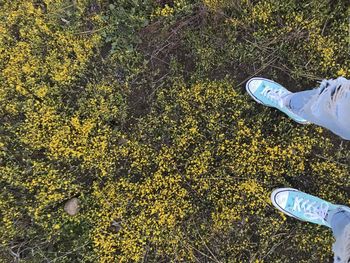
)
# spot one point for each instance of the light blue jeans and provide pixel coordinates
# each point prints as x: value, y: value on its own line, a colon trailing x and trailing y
x: 339, y: 220
x: 327, y: 106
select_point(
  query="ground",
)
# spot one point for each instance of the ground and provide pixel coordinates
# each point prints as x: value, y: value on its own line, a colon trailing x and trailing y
x: 137, y: 111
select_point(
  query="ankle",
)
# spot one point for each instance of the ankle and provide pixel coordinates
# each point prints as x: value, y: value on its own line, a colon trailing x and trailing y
x: 286, y: 100
x: 332, y: 213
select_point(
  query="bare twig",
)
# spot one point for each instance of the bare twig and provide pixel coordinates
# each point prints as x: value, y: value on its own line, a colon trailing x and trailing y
x: 90, y: 31
x: 330, y: 160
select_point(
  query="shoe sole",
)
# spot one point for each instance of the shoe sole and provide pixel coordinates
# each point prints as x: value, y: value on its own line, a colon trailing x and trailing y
x: 259, y: 101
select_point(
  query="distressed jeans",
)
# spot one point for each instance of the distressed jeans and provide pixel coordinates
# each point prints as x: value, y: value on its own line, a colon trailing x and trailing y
x: 327, y: 106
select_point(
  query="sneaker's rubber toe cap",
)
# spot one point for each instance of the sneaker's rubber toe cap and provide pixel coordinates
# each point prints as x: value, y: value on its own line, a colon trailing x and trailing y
x: 253, y: 84
x: 279, y: 198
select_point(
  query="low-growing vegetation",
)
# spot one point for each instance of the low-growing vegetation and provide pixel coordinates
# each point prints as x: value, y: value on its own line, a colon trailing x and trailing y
x: 136, y: 110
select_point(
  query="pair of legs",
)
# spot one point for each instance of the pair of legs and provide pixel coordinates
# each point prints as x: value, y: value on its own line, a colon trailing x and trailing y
x: 315, y: 210
x: 327, y: 106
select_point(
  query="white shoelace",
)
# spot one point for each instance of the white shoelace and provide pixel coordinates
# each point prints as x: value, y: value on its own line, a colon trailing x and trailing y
x: 274, y: 95
x: 310, y: 209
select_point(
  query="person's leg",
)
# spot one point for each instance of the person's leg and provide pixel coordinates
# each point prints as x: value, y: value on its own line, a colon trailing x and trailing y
x: 338, y: 220
x: 270, y: 93
x: 312, y: 209
x: 327, y: 106
x: 297, y: 101
x: 340, y: 224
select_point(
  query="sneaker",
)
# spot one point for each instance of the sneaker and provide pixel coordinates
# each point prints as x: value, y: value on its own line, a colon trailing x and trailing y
x: 270, y: 93
x: 302, y: 206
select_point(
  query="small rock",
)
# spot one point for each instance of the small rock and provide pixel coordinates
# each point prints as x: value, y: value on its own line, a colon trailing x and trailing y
x: 116, y: 226
x: 72, y: 206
